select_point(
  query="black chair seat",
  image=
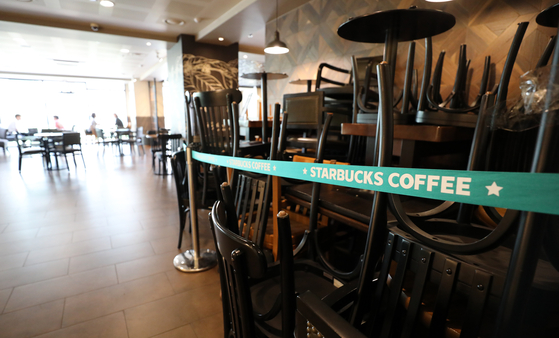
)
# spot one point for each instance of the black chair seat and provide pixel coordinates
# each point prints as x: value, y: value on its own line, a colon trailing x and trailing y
x: 265, y: 293
x: 253, y: 148
x: 33, y: 150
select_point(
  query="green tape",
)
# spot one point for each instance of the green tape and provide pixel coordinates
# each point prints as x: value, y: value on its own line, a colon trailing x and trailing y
x: 520, y: 191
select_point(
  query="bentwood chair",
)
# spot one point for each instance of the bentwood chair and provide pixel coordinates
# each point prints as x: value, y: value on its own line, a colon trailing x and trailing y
x: 258, y: 300
x: 438, y: 278
x: 218, y: 126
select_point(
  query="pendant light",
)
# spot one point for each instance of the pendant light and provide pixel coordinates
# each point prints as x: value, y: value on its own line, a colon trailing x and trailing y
x: 276, y: 46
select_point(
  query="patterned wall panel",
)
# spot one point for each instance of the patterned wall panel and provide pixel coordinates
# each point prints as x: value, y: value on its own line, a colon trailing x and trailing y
x: 485, y: 26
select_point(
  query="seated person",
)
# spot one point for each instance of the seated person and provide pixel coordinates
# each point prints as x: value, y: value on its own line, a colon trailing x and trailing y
x: 58, y: 125
x: 17, y: 125
x: 118, y: 122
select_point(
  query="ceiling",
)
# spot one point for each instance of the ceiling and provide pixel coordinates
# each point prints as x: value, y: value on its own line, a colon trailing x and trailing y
x: 55, y: 37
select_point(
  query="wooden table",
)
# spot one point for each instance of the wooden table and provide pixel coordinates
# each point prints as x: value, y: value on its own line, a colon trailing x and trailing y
x: 250, y: 128
x: 413, y: 141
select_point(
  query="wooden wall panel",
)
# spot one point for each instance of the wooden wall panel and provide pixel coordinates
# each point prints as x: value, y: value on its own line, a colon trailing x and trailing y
x: 485, y: 26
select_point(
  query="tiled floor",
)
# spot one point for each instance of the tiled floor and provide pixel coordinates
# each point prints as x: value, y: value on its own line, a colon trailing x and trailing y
x: 88, y: 253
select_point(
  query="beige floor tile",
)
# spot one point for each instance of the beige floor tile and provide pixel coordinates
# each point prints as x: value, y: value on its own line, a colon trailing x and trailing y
x: 33, y: 273
x: 169, y: 313
x: 68, y: 250
x: 13, y: 261
x: 142, y: 236
x: 97, y: 232
x: 145, y: 267
x: 60, y: 288
x: 111, y: 326
x: 70, y: 227
x: 170, y: 243
x: 32, y: 321
x: 35, y: 244
x: 115, y: 298
x: 110, y: 257
x: 181, y: 332
x: 20, y: 235
x: 4, y: 296
x: 182, y: 281
x: 210, y: 327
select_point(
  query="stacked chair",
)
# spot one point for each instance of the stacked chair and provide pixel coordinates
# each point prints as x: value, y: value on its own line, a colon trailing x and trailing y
x: 444, y: 272
x: 258, y: 294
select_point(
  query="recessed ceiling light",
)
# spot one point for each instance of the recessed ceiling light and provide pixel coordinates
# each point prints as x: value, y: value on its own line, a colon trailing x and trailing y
x: 124, y: 50
x: 250, y: 36
x: 148, y: 43
x: 221, y: 38
x: 106, y: 3
x: 197, y: 20
x: 245, y: 56
x: 174, y: 22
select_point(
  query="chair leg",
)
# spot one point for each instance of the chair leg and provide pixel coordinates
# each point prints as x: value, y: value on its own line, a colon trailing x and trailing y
x: 74, y: 156
x: 19, y: 167
x: 81, y: 154
x: 66, y: 159
x: 182, y: 223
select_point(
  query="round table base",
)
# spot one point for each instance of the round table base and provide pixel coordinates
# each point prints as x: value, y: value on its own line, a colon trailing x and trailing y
x: 185, y: 261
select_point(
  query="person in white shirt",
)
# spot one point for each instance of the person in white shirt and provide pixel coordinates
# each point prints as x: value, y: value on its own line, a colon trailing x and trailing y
x: 17, y: 125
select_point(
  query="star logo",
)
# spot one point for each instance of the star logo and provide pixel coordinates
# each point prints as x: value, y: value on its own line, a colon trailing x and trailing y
x: 305, y: 171
x: 274, y: 168
x: 493, y: 189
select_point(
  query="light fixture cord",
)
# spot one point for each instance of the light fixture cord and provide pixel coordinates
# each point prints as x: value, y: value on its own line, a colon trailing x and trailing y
x: 277, y: 15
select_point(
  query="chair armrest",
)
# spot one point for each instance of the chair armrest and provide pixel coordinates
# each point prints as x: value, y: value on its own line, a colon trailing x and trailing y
x: 324, y: 319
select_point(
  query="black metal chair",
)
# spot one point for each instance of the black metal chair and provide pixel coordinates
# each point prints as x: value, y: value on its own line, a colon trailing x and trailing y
x: 258, y: 300
x: 71, y: 144
x: 169, y: 143
x: 438, y: 286
x: 23, y: 150
x: 218, y: 126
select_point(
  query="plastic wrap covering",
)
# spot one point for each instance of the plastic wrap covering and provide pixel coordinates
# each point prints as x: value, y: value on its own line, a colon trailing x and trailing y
x: 514, y: 123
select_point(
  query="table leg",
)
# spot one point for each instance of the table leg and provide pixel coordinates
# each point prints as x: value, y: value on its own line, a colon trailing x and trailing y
x: 309, y: 86
x: 193, y: 260
x: 264, y: 86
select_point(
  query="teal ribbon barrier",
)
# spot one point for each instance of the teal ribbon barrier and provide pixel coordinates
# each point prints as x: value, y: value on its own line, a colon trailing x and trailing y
x: 521, y: 191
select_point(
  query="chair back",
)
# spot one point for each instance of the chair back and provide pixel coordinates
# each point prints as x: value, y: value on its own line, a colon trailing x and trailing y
x: 216, y: 123
x: 32, y: 131
x: 173, y: 141
x: 20, y: 143
x: 250, y: 205
x: 3, y: 133
x: 305, y: 111
x: 71, y: 139
x: 328, y: 74
x: 238, y: 259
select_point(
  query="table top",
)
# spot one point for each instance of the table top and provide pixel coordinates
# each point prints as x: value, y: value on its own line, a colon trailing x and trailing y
x: 415, y: 132
x: 269, y: 76
x: 253, y: 123
x: 302, y: 81
x: 549, y: 17
x: 50, y: 134
x: 407, y: 24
